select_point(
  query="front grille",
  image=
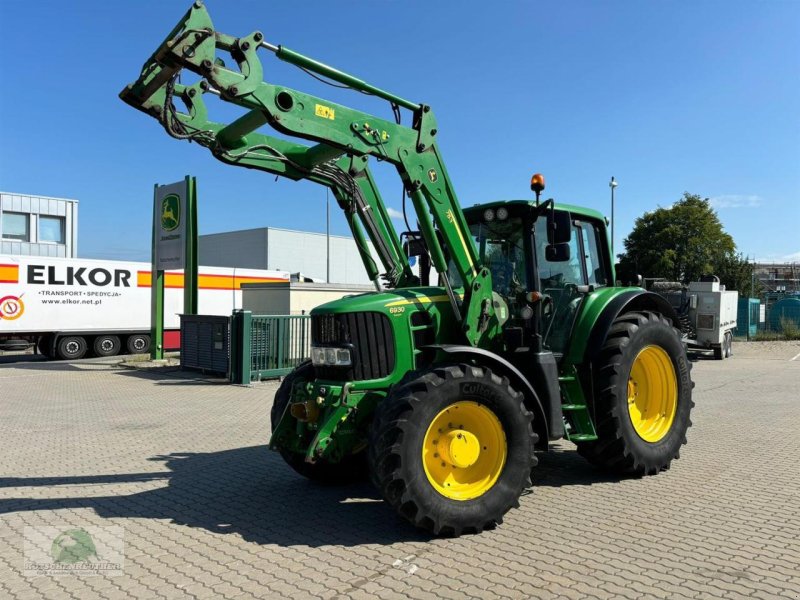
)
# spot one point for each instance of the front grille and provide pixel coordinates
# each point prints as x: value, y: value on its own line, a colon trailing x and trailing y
x: 369, y: 336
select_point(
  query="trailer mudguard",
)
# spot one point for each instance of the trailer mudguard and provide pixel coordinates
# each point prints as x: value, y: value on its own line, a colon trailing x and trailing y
x: 599, y: 312
x: 501, y: 366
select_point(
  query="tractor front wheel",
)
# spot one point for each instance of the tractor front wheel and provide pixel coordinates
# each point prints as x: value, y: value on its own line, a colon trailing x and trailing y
x: 643, y: 396
x: 351, y: 468
x: 451, y: 449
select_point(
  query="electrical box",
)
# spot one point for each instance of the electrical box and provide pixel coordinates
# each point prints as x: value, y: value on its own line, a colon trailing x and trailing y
x: 205, y: 343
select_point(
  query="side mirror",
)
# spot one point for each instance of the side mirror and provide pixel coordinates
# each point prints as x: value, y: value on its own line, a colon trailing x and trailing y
x: 559, y: 227
x: 557, y: 252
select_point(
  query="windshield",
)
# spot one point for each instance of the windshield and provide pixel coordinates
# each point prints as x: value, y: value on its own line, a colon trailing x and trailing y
x: 501, y: 248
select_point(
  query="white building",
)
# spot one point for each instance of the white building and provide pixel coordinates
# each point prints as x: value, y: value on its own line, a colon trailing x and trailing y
x: 38, y: 226
x: 286, y: 250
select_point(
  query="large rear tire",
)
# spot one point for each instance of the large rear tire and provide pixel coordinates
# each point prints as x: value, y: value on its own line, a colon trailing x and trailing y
x: 643, y: 396
x: 451, y: 449
x: 349, y: 469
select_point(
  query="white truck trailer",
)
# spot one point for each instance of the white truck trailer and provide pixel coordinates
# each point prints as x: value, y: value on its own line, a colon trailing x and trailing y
x: 69, y: 307
x: 707, y: 312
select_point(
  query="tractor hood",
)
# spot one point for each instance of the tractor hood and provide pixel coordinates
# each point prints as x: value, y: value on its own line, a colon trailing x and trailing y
x: 388, y: 302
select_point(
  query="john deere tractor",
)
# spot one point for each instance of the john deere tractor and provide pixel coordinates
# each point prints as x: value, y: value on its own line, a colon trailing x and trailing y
x: 442, y: 384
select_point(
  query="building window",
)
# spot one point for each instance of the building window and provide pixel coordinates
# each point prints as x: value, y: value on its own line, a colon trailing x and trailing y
x: 15, y: 226
x: 51, y: 229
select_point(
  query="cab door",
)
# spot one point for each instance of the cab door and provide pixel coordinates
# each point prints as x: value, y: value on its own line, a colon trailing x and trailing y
x: 564, y: 282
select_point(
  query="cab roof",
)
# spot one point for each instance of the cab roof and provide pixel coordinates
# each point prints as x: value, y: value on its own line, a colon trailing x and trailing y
x: 576, y: 210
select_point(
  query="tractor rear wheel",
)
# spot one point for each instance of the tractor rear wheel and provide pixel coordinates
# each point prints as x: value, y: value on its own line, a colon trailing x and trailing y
x: 349, y: 469
x: 644, y: 396
x: 451, y: 449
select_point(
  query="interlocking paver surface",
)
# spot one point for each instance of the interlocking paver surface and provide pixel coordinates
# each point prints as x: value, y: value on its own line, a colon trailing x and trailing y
x: 180, y: 463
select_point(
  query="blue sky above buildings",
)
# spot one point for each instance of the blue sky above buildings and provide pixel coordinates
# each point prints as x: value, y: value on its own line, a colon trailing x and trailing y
x: 668, y: 97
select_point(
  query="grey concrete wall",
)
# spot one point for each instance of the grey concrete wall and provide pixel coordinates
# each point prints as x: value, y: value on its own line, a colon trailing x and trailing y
x: 245, y: 249
x: 285, y: 250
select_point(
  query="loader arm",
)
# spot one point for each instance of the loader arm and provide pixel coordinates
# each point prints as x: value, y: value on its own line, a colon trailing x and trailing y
x: 345, y: 138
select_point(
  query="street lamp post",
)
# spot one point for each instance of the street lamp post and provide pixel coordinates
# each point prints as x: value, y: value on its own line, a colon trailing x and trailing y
x: 612, y: 184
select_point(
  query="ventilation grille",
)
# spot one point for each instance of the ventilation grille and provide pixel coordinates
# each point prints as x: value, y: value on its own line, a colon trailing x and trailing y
x: 369, y: 337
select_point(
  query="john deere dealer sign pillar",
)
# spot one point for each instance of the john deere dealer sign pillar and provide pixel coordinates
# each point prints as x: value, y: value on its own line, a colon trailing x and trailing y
x: 174, y: 247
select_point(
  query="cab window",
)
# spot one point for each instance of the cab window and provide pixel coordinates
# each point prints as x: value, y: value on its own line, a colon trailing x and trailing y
x: 590, y: 236
x: 558, y: 274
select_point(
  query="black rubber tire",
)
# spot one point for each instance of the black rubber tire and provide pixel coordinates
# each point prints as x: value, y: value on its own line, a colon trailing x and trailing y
x: 719, y: 351
x: 106, y: 345
x: 397, y: 434
x: 71, y: 347
x: 728, y: 344
x: 619, y: 448
x: 350, y: 469
x: 138, y: 343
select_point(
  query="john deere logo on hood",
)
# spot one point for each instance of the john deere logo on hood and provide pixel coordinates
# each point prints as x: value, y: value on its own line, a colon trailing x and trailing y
x: 170, y: 212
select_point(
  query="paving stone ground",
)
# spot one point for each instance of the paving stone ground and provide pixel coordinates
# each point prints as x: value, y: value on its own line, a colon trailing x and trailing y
x: 179, y: 463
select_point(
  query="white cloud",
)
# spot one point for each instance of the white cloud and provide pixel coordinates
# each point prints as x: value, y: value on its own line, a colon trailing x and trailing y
x: 736, y: 201
x: 394, y: 213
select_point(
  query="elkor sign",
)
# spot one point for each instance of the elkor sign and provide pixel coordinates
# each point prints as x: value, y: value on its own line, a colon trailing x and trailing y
x: 169, y: 211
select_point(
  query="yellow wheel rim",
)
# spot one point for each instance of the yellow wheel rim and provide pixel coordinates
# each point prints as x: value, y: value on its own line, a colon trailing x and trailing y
x: 652, y: 394
x: 464, y: 451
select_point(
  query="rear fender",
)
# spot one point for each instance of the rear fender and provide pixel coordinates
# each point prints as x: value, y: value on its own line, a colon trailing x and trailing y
x: 591, y: 328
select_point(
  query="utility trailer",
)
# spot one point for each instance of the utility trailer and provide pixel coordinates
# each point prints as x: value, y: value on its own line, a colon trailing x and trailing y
x: 68, y: 307
x: 707, y: 312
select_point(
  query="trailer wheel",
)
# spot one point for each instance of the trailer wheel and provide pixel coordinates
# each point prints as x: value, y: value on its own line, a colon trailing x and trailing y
x: 719, y: 351
x: 348, y: 470
x: 451, y: 449
x: 138, y: 343
x: 71, y: 347
x: 728, y: 344
x: 643, y: 396
x: 106, y: 345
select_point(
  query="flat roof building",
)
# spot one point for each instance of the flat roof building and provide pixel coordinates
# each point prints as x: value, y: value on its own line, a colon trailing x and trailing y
x: 286, y: 250
x: 38, y: 225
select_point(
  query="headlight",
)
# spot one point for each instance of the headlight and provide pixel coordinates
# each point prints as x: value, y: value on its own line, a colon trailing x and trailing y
x: 502, y: 214
x: 488, y: 215
x: 331, y: 357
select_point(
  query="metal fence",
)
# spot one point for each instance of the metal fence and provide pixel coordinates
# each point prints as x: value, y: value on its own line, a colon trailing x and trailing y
x: 264, y: 346
x: 772, y: 314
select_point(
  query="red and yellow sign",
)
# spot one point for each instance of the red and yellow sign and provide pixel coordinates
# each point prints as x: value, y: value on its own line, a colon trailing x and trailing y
x: 9, y: 273
x: 205, y: 282
x: 11, y: 307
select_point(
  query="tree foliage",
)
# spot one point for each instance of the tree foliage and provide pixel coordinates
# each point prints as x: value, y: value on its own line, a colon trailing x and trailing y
x: 682, y: 243
x: 735, y: 272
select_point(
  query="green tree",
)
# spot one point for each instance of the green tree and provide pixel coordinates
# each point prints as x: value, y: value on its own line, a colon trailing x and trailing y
x: 680, y: 243
x: 735, y: 272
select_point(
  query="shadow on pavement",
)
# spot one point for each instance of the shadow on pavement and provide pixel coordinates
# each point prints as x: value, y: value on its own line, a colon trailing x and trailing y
x: 172, y: 375
x: 251, y: 492
x: 246, y: 491
x: 560, y: 467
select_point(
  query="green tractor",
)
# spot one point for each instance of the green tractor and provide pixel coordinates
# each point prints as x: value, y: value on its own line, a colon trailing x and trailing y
x: 440, y: 391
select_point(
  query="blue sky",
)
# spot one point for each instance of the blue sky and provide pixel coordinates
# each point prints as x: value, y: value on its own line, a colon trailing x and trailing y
x: 668, y: 97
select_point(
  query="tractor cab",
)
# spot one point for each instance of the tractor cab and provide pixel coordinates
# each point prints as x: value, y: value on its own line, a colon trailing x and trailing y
x: 544, y: 260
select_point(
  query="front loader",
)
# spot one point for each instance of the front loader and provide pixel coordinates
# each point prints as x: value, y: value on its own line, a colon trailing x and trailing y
x: 440, y: 388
